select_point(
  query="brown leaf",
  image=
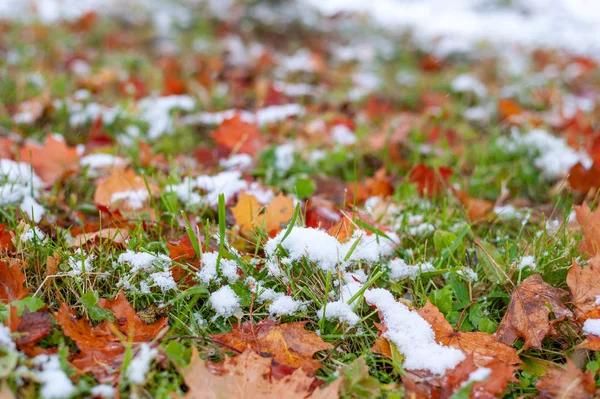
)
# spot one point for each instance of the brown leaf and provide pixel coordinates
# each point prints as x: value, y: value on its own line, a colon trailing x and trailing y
x: 101, y: 349
x: 569, y: 383
x: 51, y: 160
x: 123, y: 190
x: 590, y: 226
x: 584, y: 283
x: 113, y: 235
x: 238, y: 136
x: 290, y: 344
x: 584, y: 179
x: 482, y: 346
x: 430, y: 181
x: 31, y: 327
x: 477, y: 209
x: 12, y: 280
x: 527, y: 316
x: 248, y: 376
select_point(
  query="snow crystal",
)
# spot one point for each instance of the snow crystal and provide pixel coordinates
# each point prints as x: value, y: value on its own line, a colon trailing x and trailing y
x: 526, y: 261
x: 164, y: 280
x: 342, y: 135
x: 143, y: 261
x: 55, y: 383
x: 140, y: 365
x: 6, y: 340
x: 103, y: 391
x: 412, y: 335
x: 466, y: 83
x: 341, y: 311
x: 225, y: 302
x: 156, y: 111
x: 284, y: 157
x: 133, y: 198
x: 592, y: 326
x: 285, y: 305
x: 399, y: 269
x: 209, y: 272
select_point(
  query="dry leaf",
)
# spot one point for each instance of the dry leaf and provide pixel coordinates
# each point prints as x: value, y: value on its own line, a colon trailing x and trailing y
x: 276, y: 216
x: 31, y: 328
x: 584, y: 283
x: 246, y: 211
x: 477, y: 209
x: 290, y: 344
x: 115, y: 236
x: 124, y: 190
x: 590, y: 225
x: 12, y: 280
x: 248, y: 376
x: 482, y: 346
x: 430, y: 182
x: 500, y: 375
x: 569, y: 383
x: 51, y: 160
x: 238, y: 136
x: 527, y: 316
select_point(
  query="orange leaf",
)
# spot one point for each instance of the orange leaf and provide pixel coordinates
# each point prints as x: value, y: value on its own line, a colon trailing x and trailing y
x: 583, y: 179
x: 584, y: 283
x: 123, y: 190
x: 527, y: 316
x: 590, y: 225
x: 430, y: 182
x: 51, y: 160
x: 278, y: 213
x: 477, y: 209
x: 246, y: 211
x: 238, y: 136
x: 12, y: 280
x: 567, y: 383
x: 290, y: 344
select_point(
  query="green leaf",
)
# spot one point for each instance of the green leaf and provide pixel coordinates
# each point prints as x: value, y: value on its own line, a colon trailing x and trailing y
x: 359, y: 383
x: 442, y: 299
x: 475, y: 314
x: 304, y: 188
x: 32, y: 303
x: 447, y: 242
x: 486, y: 325
x: 95, y: 312
x: 491, y: 261
x: 461, y: 291
x: 177, y: 353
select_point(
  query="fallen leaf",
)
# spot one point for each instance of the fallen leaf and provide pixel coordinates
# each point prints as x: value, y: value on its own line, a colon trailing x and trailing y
x: 8, y: 148
x: 51, y: 160
x: 124, y: 190
x: 584, y: 179
x: 31, y: 328
x: 590, y: 226
x: 101, y: 349
x: 342, y: 230
x: 430, y: 182
x: 484, y: 347
x: 247, y: 213
x: 12, y: 280
x: 248, y: 376
x: 569, y: 383
x: 112, y: 235
x: 584, y: 283
x: 528, y: 314
x: 238, y: 136
x: 278, y: 214
x: 290, y: 344
x: 477, y: 209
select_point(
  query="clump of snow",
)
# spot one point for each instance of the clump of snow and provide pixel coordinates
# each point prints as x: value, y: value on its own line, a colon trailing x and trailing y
x: 264, y: 116
x: 301, y: 60
x: 6, y: 340
x: 225, y: 302
x: 284, y: 157
x: 209, y: 271
x: 156, y: 111
x: 553, y: 155
x: 19, y: 185
x: 32, y: 234
x: 285, y: 305
x: 296, y: 89
x: 103, y: 391
x: 412, y: 335
x: 342, y: 135
x: 527, y: 261
x: 143, y: 261
x: 238, y: 162
x: 325, y: 250
x: 592, y: 326
x: 339, y: 310
x: 100, y: 161
x: 140, y: 365
x: 55, y: 383
x: 163, y: 280
x: 481, y: 374
x: 81, y: 114
x: 466, y: 83
x: 80, y: 262
x: 151, y: 270
x: 421, y: 230
x: 32, y: 209
x: 468, y: 273
x: 133, y: 198
x: 399, y: 269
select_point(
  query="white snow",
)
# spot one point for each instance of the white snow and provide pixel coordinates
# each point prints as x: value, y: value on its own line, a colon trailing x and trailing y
x: 238, y: 162
x: 55, y: 383
x: 342, y: 135
x: 339, y: 310
x: 156, y: 111
x: 164, y: 280
x: 140, y: 365
x: 592, y: 326
x: 225, y: 302
x: 144, y: 261
x: 19, y: 185
x: 32, y: 209
x: 527, y: 261
x: 103, y: 391
x: 468, y: 273
x: 466, y: 83
x: 79, y: 261
x: 6, y: 340
x: 209, y: 272
x: 133, y: 198
x: 481, y: 374
x: 284, y: 157
x: 399, y: 269
x: 30, y: 234
x: 100, y: 161
x: 285, y: 305
x: 412, y: 335
x: 264, y: 116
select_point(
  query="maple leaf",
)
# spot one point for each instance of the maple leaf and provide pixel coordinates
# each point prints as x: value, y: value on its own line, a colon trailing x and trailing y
x: 238, y: 136
x: 429, y: 181
x: 276, y: 215
x: 248, y: 376
x: 590, y: 226
x: 342, y: 230
x: 12, y: 280
x: 569, y: 383
x: 290, y: 344
x: 584, y: 179
x: 51, y: 160
x: 124, y: 190
x: 482, y: 346
x: 101, y: 349
x: 31, y: 327
x: 584, y: 283
x: 527, y: 314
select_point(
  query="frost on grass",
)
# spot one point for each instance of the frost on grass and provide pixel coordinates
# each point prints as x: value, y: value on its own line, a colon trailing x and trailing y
x: 140, y: 365
x: 325, y: 250
x: 55, y: 383
x: 225, y: 302
x: 412, y: 335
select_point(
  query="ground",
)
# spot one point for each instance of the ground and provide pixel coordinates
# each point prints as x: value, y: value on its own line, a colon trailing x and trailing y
x: 330, y: 203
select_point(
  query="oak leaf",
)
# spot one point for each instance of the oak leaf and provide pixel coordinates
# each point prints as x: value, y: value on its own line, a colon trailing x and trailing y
x: 590, y: 226
x: 528, y: 313
x: 101, y: 348
x: 482, y: 346
x: 569, y: 383
x: 52, y: 159
x: 12, y: 280
x: 290, y: 344
x: 248, y: 376
x: 238, y: 136
x: 124, y: 190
